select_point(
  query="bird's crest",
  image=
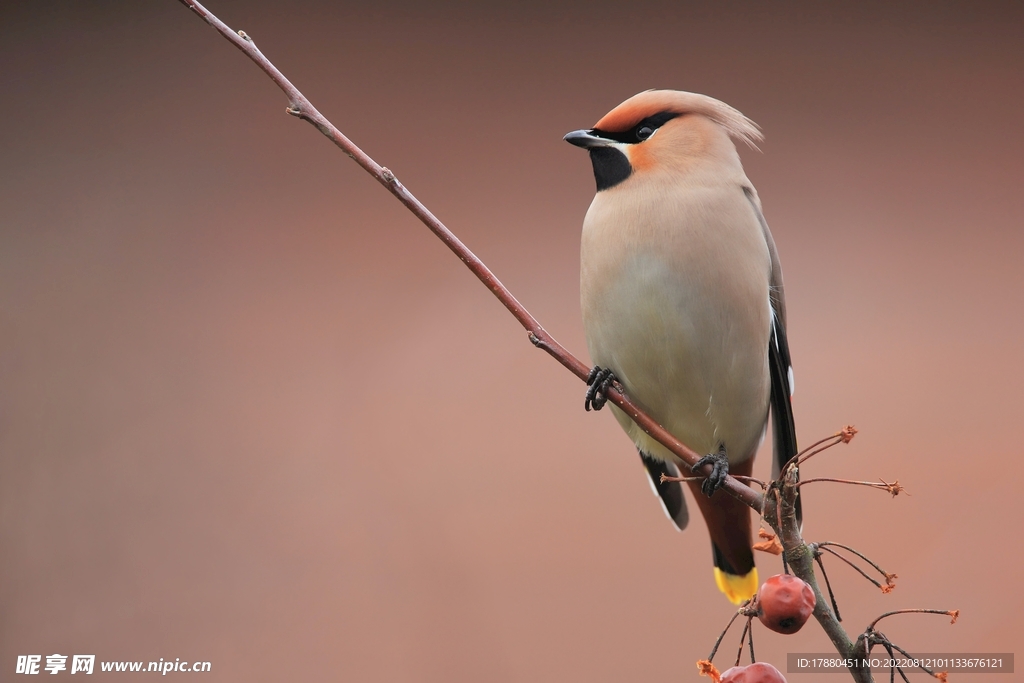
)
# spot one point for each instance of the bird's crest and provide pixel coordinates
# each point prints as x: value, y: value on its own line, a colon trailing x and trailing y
x: 651, y: 102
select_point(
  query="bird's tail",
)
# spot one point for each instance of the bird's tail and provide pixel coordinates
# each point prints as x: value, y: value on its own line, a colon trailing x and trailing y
x: 736, y: 586
x: 729, y: 526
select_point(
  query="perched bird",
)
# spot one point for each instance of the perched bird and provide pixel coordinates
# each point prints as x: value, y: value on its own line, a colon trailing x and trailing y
x: 683, y: 303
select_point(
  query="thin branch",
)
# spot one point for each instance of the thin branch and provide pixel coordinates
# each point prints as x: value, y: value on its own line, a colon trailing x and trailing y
x: 859, y: 570
x: 910, y: 656
x: 954, y: 614
x: 302, y: 108
x: 743, y: 641
x: 808, y: 454
x: 844, y: 435
x: 870, y: 638
x: 893, y: 668
x: 825, y: 544
x: 805, y: 453
x: 828, y: 586
x: 894, y: 488
x: 718, y: 642
x: 750, y: 639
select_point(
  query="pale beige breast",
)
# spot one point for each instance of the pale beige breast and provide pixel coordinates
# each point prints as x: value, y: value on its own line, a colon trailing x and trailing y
x: 674, y: 287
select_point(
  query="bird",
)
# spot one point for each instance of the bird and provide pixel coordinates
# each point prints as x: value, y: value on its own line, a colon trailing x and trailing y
x: 683, y: 305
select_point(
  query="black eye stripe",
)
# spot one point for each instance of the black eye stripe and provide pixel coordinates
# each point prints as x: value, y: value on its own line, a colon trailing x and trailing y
x: 633, y: 135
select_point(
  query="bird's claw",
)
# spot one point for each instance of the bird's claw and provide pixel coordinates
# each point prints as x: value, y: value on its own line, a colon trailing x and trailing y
x: 719, y: 471
x: 598, y: 382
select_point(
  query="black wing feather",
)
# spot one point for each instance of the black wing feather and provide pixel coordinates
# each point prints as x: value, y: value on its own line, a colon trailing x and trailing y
x: 779, y: 364
x: 670, y: 492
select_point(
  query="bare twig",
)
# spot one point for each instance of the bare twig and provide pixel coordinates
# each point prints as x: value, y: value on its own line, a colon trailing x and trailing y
x: 867, y: 640
x: 302, y: 108
x: 941, y: 677
x: 844, y: 435
x: 813, y: 448
x: 893, y: 668
x: 714, y: 650
x: 825, y: 545
x: 747, y: 631
x: 854, y: 565
x: 894, y: 488
x: 953, y: 614
x: 750, y: 638
x: 828, y: 586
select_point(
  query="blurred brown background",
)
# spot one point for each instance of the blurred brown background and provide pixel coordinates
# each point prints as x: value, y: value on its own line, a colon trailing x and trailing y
x: 252, y: 412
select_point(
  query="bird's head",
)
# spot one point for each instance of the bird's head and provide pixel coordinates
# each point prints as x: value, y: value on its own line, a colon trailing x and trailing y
x: 662, y: 130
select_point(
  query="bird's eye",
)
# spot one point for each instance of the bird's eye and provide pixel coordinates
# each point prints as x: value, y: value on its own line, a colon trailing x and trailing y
x: 644, y: 132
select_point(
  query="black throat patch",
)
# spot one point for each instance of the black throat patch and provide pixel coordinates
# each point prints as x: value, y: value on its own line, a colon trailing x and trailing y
x: 611, y: 167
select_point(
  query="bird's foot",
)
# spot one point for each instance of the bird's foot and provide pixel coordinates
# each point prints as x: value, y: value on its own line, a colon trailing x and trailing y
x: 598, y: 380
x: 719, y: 471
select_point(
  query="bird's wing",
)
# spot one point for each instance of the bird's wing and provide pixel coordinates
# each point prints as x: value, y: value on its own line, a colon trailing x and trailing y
x: 780, y: 366
x: 670, y: 493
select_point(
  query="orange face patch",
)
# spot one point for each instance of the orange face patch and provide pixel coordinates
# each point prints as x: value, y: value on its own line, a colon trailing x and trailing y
x: 640, y: 157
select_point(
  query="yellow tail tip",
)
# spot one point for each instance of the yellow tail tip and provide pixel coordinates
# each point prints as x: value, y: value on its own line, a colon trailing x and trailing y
x: 738, y: 589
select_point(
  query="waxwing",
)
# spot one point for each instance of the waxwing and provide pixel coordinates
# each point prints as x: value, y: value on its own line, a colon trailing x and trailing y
x: 682, y: 303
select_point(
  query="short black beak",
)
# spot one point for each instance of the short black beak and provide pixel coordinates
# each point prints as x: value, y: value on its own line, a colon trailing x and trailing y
x: 586, y: 139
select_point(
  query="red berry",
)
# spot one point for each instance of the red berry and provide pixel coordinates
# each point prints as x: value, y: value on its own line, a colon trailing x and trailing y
x: 784, y: 603
x: 758, y: 672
